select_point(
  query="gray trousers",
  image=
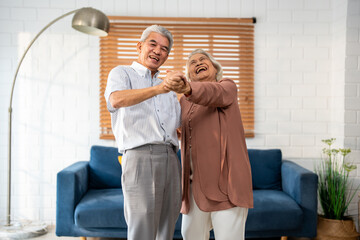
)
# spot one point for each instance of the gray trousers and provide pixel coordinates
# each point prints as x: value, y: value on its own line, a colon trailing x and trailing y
x: 151, y: 181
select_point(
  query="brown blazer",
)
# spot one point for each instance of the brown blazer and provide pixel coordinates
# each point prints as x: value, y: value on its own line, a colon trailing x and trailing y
x: 212, y: 133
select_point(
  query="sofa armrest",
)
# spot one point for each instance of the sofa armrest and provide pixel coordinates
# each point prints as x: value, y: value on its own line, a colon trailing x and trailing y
x: 301, y: 184
x: 72, y: 184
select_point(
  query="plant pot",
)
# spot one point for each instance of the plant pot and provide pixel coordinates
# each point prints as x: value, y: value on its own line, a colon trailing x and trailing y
x: 331, y: 229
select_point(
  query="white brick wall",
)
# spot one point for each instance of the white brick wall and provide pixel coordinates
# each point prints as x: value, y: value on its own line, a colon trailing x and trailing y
x: 306, y: 83
x: 352, y: 76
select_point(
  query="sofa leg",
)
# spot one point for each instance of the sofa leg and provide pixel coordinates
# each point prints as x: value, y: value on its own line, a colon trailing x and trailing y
x: 284, y: 238
x: 82, y: 238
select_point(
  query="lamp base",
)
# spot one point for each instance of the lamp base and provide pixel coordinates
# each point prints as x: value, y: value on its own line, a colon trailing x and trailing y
x: 22, y: 229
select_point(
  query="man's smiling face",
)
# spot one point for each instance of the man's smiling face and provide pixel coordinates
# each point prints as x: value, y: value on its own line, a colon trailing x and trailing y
x: 201, y: 69
x: 153, y: 52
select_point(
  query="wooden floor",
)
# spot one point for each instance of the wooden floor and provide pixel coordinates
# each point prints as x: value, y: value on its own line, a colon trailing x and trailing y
x: 51, y: 236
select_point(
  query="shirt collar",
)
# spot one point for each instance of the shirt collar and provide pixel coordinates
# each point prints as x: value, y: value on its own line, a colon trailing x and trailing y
x: 142, y: 70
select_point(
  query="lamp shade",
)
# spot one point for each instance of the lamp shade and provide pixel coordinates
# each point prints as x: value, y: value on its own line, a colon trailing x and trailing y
x: 91, y: 21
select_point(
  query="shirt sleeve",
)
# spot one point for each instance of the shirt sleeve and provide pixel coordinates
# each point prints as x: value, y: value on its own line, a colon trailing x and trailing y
x: 117, y: 80
x: 215, y: 94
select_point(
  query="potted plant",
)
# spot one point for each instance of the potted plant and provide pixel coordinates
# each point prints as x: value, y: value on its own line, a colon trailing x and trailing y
x: 335, y: 194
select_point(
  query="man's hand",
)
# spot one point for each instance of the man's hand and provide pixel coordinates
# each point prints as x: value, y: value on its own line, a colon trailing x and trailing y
x: 177, y: 82
x: 161, y: 88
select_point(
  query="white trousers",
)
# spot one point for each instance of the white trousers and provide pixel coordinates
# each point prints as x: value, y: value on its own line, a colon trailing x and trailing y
x: 228, y: 224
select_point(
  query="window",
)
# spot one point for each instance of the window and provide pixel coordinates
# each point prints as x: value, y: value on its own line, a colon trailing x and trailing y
x: 228, y: 40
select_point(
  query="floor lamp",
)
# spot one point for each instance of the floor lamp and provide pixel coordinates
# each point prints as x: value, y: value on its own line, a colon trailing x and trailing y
x: 86, y: 20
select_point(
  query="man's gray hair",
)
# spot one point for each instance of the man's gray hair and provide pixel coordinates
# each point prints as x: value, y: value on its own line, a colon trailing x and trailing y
x: 216, y: 64
x: 158, y: 29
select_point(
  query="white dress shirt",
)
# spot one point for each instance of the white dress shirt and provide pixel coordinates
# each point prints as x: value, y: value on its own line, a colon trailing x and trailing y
x: 153, y: 121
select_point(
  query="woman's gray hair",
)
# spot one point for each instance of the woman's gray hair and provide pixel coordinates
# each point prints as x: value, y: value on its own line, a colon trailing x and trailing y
x: 216, y: 64
x: 158, y: 29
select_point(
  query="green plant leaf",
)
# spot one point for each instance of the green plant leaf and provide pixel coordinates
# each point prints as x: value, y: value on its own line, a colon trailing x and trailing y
x: 334, y: 185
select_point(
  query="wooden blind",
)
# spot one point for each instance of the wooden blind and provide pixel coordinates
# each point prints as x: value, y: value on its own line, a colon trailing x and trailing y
x: 228, y: 40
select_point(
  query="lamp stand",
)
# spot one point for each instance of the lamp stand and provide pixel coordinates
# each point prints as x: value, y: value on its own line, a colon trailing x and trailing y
x: 23, y: 228
x: 86, y: 20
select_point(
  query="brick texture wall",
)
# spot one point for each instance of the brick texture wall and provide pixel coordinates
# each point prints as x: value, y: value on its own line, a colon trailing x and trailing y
x: 306, y: 84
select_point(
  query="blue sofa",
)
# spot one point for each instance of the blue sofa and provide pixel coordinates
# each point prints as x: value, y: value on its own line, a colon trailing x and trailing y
x: 90, y: 199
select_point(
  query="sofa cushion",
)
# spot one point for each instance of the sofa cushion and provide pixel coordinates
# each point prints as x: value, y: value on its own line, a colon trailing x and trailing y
x: 265, y: 168
x: 273, y: 210
x: 101, y: 208
x: 105, y: 170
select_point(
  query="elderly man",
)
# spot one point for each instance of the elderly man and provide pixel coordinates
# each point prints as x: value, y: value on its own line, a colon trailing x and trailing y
x: 145, y: 117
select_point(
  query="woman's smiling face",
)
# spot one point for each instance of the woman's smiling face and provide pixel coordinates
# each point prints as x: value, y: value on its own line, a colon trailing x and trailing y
x: 201, y: 69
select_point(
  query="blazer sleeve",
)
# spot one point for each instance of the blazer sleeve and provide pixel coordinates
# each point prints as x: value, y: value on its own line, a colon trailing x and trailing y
x: 214, y: 94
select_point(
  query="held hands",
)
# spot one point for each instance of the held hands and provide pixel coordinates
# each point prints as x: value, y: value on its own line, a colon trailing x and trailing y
x: 177, y: 82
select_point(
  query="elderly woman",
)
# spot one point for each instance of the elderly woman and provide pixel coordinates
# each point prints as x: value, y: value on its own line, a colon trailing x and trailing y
x: 216, y: 174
